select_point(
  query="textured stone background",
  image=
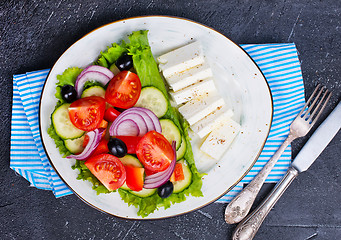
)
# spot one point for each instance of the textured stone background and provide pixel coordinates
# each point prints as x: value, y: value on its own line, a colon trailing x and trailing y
x: 33, y: 34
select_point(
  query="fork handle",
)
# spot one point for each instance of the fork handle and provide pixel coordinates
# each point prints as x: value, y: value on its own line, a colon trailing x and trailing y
x: 240, y: 206
x: 248, y: 228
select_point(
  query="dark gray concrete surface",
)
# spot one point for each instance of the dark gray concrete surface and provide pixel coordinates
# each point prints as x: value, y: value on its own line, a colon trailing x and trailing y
x: 33, y: 34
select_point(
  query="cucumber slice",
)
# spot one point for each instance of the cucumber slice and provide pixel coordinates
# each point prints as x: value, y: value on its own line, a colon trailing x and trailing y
x: 154, y: 100
x: 171, y: 132
x: 125, y: 187
x: 63, y: 125
x: 179, y: 186
x: 114, y: 69
x: 180, y: 153
x: 131, y: 160
x: 94, y: 91
x: 144, y: 192
x: 75, y: 145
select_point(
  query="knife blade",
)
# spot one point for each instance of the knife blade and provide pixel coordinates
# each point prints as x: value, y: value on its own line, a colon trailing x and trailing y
x: 319, y: 140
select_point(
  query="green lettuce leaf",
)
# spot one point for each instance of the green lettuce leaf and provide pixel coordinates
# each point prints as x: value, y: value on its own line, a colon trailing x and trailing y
x: 144, y: 62
x: 108, y: 57
x: 68, y: 77
x: 145, y: 205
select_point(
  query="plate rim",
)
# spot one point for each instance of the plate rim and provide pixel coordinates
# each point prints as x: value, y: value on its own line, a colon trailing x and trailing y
x: 185, y: 212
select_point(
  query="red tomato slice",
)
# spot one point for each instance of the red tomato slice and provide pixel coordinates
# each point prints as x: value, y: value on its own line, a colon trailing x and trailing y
x: 87, y: 113
x: 131, y: 142
x: 123, y: 90
x: 108, y: 169
x: 154, y: 152
x: 134, y: 179
x: 111, y: 114
x: 148, y: 172
x: 178, y: 173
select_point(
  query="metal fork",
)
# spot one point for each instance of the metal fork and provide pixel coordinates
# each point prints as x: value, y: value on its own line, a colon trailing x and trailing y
x: 240, y: 206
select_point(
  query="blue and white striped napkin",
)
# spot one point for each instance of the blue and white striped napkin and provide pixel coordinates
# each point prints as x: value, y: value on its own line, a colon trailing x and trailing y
x: 278, y: 62
x: 27, y: 155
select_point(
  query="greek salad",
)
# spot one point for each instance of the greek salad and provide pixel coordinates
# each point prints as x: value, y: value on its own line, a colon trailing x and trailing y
x: 116, y: 119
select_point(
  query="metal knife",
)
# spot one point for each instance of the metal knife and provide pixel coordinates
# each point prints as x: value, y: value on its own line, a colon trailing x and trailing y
x: 248, y: 228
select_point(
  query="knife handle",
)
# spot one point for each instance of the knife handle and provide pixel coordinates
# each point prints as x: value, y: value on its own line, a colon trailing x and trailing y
x: 247, y: 229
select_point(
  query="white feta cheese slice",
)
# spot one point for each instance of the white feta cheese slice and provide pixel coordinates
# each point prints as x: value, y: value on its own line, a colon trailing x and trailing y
x: 198, y: 108
x: 186, y: 78
x: 211, y: 121
x: 181, y: 59
x: 219, y: 140
x: 197, y: 90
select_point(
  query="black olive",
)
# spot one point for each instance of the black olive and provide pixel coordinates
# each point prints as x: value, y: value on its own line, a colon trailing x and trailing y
x: 117, y: 147
x: 125, y: 62
x: 69, y: 93
x: 165, y: 190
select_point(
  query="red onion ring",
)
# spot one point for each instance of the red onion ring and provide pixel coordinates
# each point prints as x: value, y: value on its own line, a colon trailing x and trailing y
x: 97, y: 68
x: 127, y: 127
x: 139, y: 121
x: 94, y: 139
x: 149, y: 122
x: 145, y: 119
x: 153, y: 117
x: 158, y: 179
x: 90, y: 76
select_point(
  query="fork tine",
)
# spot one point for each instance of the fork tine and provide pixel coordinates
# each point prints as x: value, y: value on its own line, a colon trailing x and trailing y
x: 313, y: 104
x: 323, y: 106
x: 318, y: 106
x: 310, y: 98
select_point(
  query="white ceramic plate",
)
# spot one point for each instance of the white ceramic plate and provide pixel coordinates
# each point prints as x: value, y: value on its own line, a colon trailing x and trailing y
x: 237, y: 77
